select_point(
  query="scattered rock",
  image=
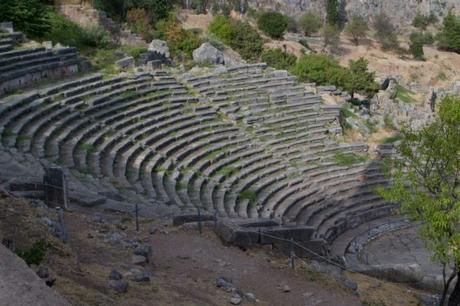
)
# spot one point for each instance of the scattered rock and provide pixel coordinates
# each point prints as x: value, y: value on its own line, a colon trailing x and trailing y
x: 115, y: 275
x: 225, y: 284
x: 250, y: 297
x: 350, y: 284
x: 43, y: 272
x: 236, y: 299
x: 126, y: 63
x: 286, y: 288
x: 120, y: 286
x: 138, y: 275
x: 207, y: 53
x: 160, y: 47
x: 138, y: 260
x: 143, y: 250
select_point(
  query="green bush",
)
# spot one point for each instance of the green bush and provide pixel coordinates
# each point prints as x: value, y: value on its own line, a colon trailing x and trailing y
x: 239, y: 35
x: 386, y: 32
x: 357, y: 29
x: 449, y: 36
x: 421, y: 21
x: 332, y: 10
x: 35, y: 254
x: 310, y: 23
x: 324, y: 70
x: 349, y: 159
x: 28, y: 16
x: 118, y: 9
x: 291, y: 24
x: 273, y: 24
x: 417, y: 40
x: 68, y: 33
x: 279, y: 59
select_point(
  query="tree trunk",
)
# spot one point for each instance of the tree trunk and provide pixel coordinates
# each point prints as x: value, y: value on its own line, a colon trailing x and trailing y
x: 454, y: 299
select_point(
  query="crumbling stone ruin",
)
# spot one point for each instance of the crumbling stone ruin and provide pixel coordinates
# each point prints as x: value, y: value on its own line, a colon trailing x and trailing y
x: 245, y: 144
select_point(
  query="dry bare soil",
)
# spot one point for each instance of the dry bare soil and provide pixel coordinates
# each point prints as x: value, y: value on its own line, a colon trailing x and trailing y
x: 184, y: 267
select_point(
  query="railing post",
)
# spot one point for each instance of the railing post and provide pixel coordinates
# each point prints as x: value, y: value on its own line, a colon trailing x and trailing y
x: 137, y: 217
x: 199, y: 220
x: 292, y: 255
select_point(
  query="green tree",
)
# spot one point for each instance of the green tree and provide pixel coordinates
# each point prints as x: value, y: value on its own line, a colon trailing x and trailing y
x: 357, y: 29
x: 316, y: 68
x: 239, y: 35
x: 332, y: 10
x: 359, y: 79
x: 449, y: 37
x: 421, y: 21
x: 279, y: 59
x: 28, y: 16
x: 417, y: 40
x: 425, y: 175
x: 310, y: 23
x: 273, y: 24
x: 385, y: 32
x: 331, y: 35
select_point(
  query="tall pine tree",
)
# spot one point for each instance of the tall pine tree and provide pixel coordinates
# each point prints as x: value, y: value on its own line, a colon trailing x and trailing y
x: 332, y: 9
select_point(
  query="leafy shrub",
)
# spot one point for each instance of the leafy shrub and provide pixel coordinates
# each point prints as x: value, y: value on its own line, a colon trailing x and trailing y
x: 310, y: 23
x: 386, y: 32
x: 403, y: 94
x: 324, y: 70
x: 118, y: 9
x: 315, y: 68
x: 273, y: 24
x: 35, y: 254
x: 449, y: 37
x: 332, y: 10
x: 417, y: 40
x: 331, y: 35
x: 181, y: 42
x: 68, y: 33
x: 279, y: 59
x: 28, y: 16
x: 349, y: 159
x: 357, y: 29
x: 239, y: 35
x: 138, y: 21
x: 291, y: 24
x: 421, y: 21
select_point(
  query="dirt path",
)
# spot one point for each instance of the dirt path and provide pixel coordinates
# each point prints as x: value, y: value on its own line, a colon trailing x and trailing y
x: 201, y: 260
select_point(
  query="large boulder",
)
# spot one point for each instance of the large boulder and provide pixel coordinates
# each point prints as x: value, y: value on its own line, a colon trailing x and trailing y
x: 207, y: 53
x: 160, y: 47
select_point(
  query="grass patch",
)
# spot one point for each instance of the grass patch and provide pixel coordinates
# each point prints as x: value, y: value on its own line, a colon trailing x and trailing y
x: 34, y: 255
x: 249, y: 195
x: 87, y: 147
x: 226, y: 171
x: 388, y: 121
x: 403, y: 94
x: 22, y: 138
x: 391, y: 139
x: 349, y: 159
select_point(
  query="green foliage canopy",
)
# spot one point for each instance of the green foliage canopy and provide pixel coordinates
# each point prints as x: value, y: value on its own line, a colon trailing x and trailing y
x: 416, y: 42
x: 310, y: 23
x: 273, y: 24
x: 449, y: 37
x: 324, y: 70
x: 357, y: 29
x: 425, y: 175
x: 279, y: 59
x: 28, y: 16
x: 239, y: 35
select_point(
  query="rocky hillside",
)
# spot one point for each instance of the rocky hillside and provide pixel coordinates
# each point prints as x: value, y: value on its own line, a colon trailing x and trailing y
x: 403, y: 11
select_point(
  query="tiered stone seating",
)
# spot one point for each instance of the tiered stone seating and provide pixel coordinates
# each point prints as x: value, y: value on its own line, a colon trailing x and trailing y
x: 246, y: 142
x: 21, y: 67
